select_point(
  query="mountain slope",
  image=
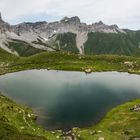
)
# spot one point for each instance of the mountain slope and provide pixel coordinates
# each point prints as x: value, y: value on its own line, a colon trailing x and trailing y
x: 68, y: 34
x: 22, y: 48
x: 102, y: 43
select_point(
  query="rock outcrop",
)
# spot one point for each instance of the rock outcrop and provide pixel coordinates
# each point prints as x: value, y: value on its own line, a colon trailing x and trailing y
x: 4, y: 27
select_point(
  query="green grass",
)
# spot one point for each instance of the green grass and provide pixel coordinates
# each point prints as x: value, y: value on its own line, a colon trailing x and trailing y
x: 119, y: 124
x: 68, y: 61
x: 18, y: 123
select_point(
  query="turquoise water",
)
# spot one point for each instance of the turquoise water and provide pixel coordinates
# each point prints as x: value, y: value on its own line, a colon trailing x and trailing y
x: 63, y: 100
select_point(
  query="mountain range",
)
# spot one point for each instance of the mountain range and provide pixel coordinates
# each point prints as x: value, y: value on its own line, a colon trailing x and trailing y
x: 70, y: 35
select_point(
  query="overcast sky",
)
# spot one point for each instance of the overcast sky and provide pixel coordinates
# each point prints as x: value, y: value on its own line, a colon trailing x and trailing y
x: 124, y: 13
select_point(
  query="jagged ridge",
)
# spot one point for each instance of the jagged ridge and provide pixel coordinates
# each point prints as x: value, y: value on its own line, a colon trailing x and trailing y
x: 46, y: 36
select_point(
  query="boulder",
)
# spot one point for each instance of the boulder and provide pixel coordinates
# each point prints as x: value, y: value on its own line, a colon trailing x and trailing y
x: 88, y: 70
x: 101, y: 138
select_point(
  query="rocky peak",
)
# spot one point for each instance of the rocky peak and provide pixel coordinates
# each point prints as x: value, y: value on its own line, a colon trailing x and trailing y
x: 0, y: 16
x: 3, y: 25
x: 114, y: 26
x: 73, y: 20
x: 46, y: 29
x: 1, y: 20
x: 30, y: 24
x: 98, y: 27
x: 99, y: 23
x: 65, y: 19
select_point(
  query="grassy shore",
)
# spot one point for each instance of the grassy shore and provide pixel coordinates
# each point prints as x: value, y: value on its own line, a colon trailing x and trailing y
x: 18, y: 123
x: 68, y: 61
x: 119, y: 124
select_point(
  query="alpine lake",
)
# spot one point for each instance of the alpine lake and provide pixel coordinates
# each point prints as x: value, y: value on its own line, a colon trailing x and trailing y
x: 63, y: 100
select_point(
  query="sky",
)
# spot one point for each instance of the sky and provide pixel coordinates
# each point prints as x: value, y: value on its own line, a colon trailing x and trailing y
x: 124, y: 13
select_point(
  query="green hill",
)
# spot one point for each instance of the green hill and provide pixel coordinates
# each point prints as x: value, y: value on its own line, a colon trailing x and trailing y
x: 68, y: 61
x: 110, y: 43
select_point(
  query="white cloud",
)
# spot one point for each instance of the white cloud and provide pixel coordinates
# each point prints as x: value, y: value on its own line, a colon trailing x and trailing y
x: 123, y: 12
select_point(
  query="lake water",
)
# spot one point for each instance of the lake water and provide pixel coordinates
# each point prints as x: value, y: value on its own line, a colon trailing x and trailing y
x: 63, y: 100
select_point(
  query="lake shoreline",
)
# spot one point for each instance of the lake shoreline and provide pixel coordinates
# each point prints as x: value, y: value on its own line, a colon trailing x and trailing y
x: 69, y: 62
x: 58, y: 61
x: 94, y: 131
x: 15, y: 70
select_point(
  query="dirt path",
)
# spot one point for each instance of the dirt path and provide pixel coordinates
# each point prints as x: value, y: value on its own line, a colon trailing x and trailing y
x: 24, y: 118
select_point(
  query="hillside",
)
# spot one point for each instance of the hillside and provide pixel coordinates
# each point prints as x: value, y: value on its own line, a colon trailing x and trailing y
x: 122, y: 44
x: 18, y: 123
x: 68, y: 61
x: 70, y: 35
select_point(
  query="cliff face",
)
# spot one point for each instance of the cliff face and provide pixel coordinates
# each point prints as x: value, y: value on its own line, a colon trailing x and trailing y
x: 4, y: 27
